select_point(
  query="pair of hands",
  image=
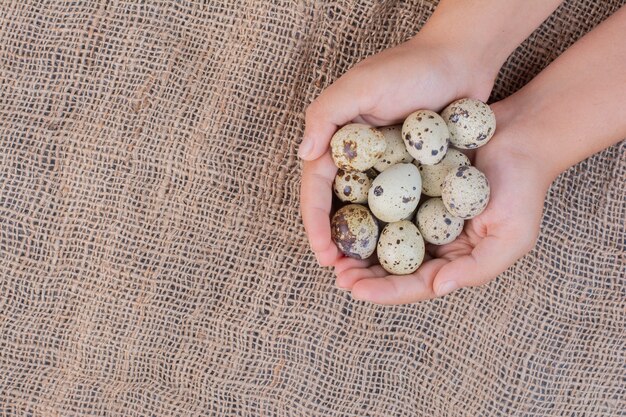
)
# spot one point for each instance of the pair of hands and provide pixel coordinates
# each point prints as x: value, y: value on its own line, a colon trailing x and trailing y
x: 383, y: 90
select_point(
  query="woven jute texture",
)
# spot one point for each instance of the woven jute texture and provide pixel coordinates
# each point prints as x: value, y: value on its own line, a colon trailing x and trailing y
x: 152, y: 257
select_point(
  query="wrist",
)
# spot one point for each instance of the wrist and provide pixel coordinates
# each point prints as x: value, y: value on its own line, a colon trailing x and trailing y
x: 472, y: 77
x: 521, y: 140
x: 484, y: 33
x: 481, y: 54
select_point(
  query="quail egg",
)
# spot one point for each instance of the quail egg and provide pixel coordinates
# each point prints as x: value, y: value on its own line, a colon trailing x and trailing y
x: 425, y: 136
x: 395, y: 193
x: 357, y: 147
x: 471, y: 123
x: 352, y: 186
x: 355, y: 231
x: 433, y: 175
x: 436, y: 224
x: 400, y: 248
x: 465, y: 192
x: 395, y: 152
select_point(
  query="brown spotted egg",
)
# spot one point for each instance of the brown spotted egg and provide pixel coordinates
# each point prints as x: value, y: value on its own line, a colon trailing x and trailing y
x: 355, y: 231
x: 395, y: 152
x: 357, y: 147
x: 400, y: 248
x: 465, y: 192
x: 395, y: 192
x: 425, y: 136
x: 371, y: 173
x: 433, y: 175
x: 471, y: 123
x: 352, y: 186
x: 436, y: 224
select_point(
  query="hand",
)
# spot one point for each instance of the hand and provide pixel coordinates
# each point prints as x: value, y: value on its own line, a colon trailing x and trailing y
x: 490, y: 242
x: 381, y: 90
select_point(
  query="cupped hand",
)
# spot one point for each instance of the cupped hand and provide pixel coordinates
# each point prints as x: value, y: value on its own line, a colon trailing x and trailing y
x: 490, y: 243
x: 381, y: 90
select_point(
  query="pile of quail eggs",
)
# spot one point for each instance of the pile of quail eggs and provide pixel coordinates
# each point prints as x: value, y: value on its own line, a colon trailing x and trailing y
x: 384, y: 174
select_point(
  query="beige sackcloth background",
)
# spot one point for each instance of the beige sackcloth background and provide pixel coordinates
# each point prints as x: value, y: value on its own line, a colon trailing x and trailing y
x: 152, y: 256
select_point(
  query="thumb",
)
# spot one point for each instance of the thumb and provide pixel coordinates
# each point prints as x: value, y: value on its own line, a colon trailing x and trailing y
x: 487, y: 260
x: 337, y: 105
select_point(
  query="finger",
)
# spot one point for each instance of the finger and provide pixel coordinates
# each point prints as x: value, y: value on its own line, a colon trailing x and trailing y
x: 349, y: 277
x: 400, y: 289
x: 492, y: 256
x: 360, y: 119
x: 328, y: 256
x: 452, y: 250
x: 315, y: 203
x: 337, y: 105
x: 346, y: 263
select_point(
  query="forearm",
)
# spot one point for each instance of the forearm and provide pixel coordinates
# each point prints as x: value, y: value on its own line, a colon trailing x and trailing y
x: 487, y: 31
x: 577, y: 106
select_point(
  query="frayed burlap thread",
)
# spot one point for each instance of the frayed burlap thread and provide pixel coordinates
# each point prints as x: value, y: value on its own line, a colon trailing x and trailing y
x: 152, y: 257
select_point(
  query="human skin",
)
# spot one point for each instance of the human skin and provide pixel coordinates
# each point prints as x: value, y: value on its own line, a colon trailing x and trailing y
x: 571, y: 110
x: 446, y: 60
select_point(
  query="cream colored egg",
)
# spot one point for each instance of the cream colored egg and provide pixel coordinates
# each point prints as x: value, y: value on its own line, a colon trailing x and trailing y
x: 425, y: 136
x: 355, y: 231
x: 433, y: 175
x: 436, y: 224
x: 357, y: 147
x: 465, y: 192
x: 471, y: 123
x: 395, y: 152
x: 400, y: 248
x: 395, y: 193
x: 352, y: 186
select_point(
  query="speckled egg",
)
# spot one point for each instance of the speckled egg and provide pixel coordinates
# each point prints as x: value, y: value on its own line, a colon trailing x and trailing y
x: 395, y: 193
x: 352, y: 186
x: 471, y: 123
x: 400, y: 248
x: 436, y: 224
x: 395, y: 152
x: 355, y: 231
x: 371, y: 173
x: 465, y: 192
x: 357, y: 147
x: 433, y: 175
x: 425, y: 136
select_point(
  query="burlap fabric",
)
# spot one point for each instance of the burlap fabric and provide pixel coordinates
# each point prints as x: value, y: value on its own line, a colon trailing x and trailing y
x: 152, y: 257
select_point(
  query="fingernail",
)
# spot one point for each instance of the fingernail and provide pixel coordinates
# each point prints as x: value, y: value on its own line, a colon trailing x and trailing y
x: 305, y: 147
x: 357, y: 296
x: 447, y: 288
